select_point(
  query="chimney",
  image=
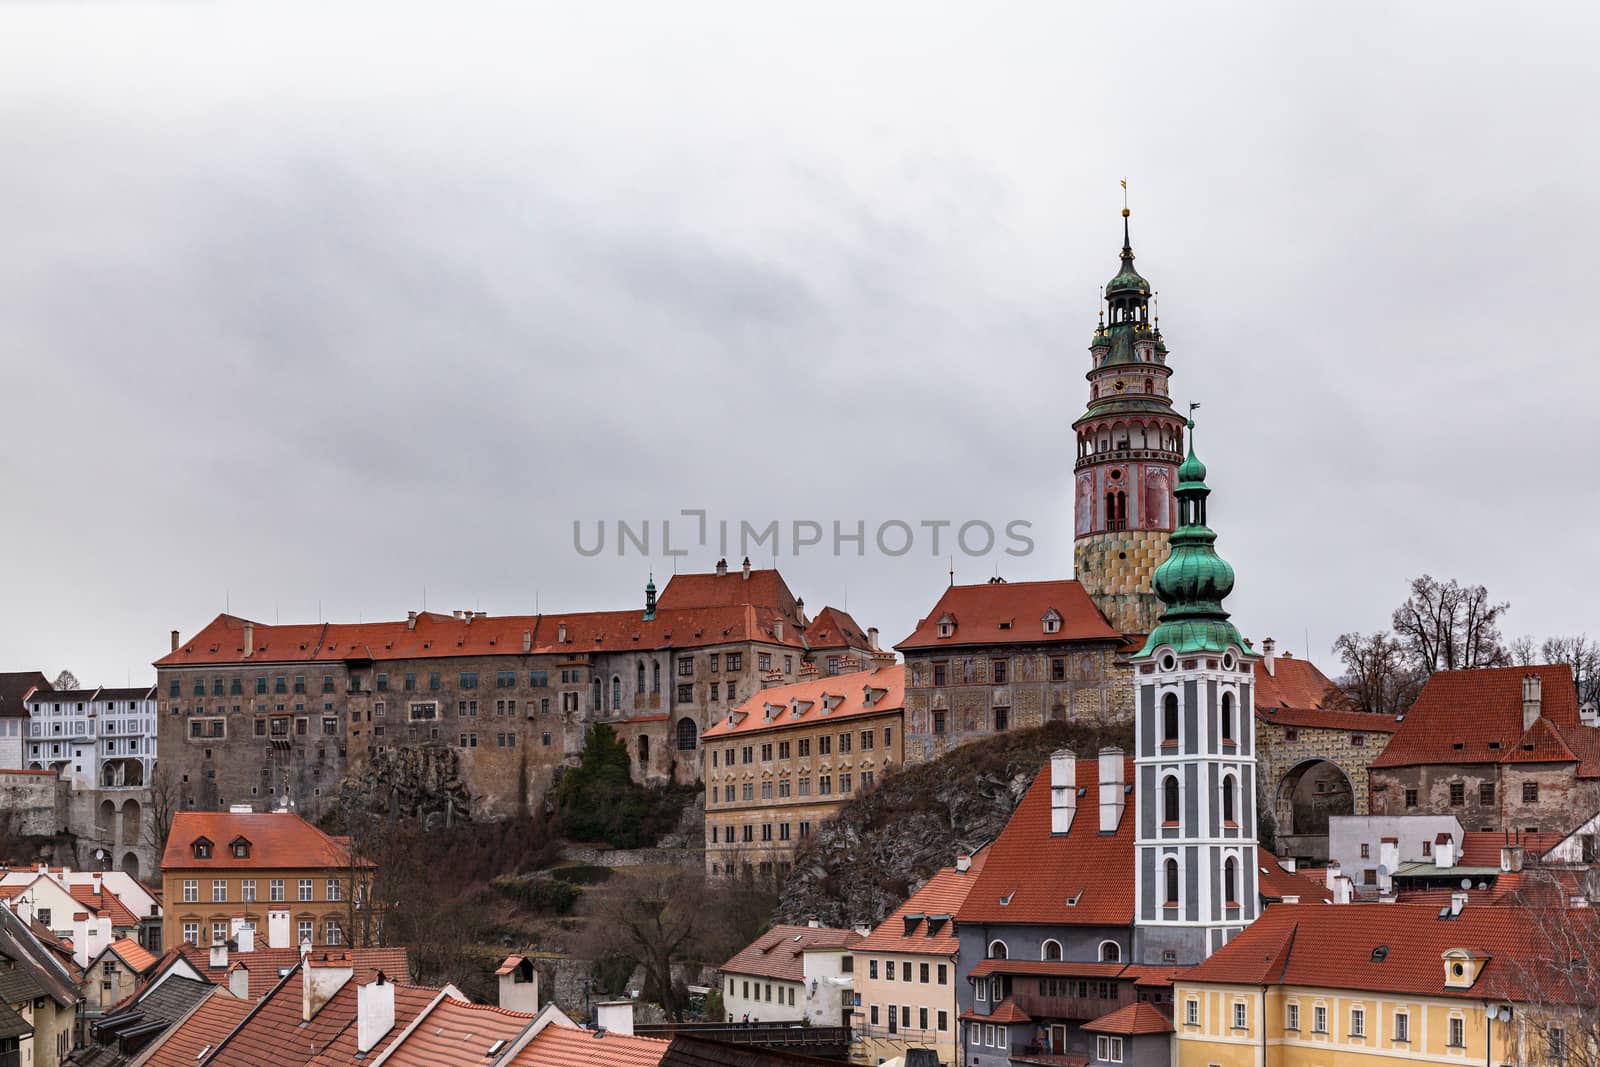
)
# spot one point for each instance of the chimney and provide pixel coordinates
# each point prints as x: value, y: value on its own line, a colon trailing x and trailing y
x: 1333, y: 872
x: 250, y: 640
x: 777, y: 630
x: 95, y: 882
x: 1388, y: 860
x: 519, y: 985
x: 374, y: 1013
x: 219, y: 956
x: 561, y: 634
x: 1289, y: 863
x: 1511, y: 858
x: 614, y: 1016
x: 872, y: 638
x: 239, y: 981
x: 1530, y: 700
x: 245, y: 939
x: 174, y: 640
x: 1269, y: 656
x: 411, y: 620
x: 456, y: 613
x: 1341, y: 890
x: 1291, y: 898
x: 1458, y: 901
x: 320, y: 980
x: 746, y: 578
x: 1444, y: 851
x: 722, y: 568
x: 1063, y: 790
x: 814, y: 923
x: 963, y: 862
x: 1112, y: 797
x: 278, y: 929
x: 800, y: 612
x: 527, y: 642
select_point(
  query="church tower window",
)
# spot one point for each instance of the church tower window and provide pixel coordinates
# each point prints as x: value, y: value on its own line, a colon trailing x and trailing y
x: 1169, y: 719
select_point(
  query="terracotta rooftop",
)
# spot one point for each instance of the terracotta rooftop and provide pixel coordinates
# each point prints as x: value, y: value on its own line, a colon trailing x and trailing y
x: 1276, y: 883
x: 275, y: 840
x: 925, y: 925
x: 1004, y: 1012
x: 779, y: 953
x: 846, y: 693
x: 134, y: 954
x: 1132, y: 1020
x: 564, y: 1046
x: 1476, y: 717
x: 266, y: 965
x: 1010, y: 613
x: 456, y: 1032
x: 1031, y: 874
x: 1334, y: 946
x: 205, y: 1028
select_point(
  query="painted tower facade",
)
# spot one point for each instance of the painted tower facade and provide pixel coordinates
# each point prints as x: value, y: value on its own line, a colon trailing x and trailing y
x: 1196, y: 881
x: 1130, y: 442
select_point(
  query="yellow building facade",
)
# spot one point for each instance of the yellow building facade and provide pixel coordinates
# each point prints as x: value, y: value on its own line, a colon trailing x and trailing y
x: 789, y: 758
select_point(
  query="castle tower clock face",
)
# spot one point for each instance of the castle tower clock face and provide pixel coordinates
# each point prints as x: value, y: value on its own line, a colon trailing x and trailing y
x: 1119, y: 385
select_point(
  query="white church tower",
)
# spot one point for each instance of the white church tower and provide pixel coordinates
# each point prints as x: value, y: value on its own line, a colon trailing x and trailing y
x: 1196, y: 879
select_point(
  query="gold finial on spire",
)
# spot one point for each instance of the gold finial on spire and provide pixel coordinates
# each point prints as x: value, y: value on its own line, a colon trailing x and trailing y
x: 1125, y: 211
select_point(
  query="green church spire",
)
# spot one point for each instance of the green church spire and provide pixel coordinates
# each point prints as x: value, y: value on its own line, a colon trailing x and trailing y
x: 1193, y: 580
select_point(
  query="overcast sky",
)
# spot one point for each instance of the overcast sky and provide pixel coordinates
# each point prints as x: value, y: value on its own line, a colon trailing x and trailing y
x: 304, y: 308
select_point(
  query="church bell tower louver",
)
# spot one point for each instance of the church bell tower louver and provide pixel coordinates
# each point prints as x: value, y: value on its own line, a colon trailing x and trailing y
x: 1130, y: 442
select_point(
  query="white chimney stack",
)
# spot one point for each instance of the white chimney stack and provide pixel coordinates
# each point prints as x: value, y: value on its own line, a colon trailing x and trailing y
x: 249, y: 639
x: 615, y: 1016
x: 1341, y: 890
x: 1112, y: 799
x: 1444, y: 851
x: 1063, y: 790
x: 219, y: 956
x: 1388, y: 860
x: 321, y: 980
x: 239, y: 981
x: 374, y: 1013
x: 722, y: 568
x: 1511, y: 858
x: 527, y: 642
x: 519, y: 986
x: 746, y: 578
x: 1531, y: 694
x: 1458, y: 901
x: 963, y: 862
x: 278, y: 929
x: 561, y: 634
x: 1269, y: 656
x: 245, y: 938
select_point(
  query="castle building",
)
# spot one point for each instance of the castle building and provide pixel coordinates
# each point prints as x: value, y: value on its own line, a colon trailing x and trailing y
x: 1196, y: 877
x: 1129, y: 443
x: 488, y: 707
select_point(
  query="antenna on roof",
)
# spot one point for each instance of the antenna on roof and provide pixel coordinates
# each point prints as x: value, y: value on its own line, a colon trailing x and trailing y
x: 952, y: 572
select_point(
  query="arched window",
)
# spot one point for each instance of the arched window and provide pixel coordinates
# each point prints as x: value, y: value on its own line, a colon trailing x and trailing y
x: 616, y: 692
x: 1169, y: 800
x: 1050, y: 950
x: 1116, y: 510
x: 1229, y: 812
x: 1227, y: 717
x: 640, y: 687
x: 997, y: 950
x: 1110, y: 952
x: 689, y: 735
x: 594, y: 695
x: 1169, y: 719
x: 1149, y: 385
x: 1230, y: 881
x: 1172, y: 882
x: 655, y: 677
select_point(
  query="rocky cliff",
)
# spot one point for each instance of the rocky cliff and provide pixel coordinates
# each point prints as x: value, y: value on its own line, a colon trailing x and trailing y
x: 858, y: 867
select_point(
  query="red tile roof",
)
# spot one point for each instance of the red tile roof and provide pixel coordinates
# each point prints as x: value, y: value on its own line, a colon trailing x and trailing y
x: 1481, y: 711
x: 278, y: 840
x: 1011, y: 613
x: 563, y: 1046
x: 106, y: 904
x: 941, y: 895
x: 693, y: 610
x: 1134, y: 1019
x: 456, y: 1032
x: 835, y: 629
x: 214, y: 1019
x: 848, y: 693
x: 134, y: 954
x: 1331, y: 946
x: 1292, y: 683
x: 1049, y: 968
x: 779, y: 953
x: 276, y: 1035
x: 1036, y: 872
x: 266, y: 965
x: 1004, y: 1012
x: 1277, y: 883
x: 409, y: 1001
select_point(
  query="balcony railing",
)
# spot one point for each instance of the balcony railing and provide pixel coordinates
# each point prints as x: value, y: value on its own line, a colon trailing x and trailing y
x: 1068, y: 1007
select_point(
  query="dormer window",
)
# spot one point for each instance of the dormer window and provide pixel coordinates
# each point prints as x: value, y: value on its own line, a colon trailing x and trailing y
x: 1052, y: 621
x: 202, y: 848
x: 240, y: 847
x: 946, y: 625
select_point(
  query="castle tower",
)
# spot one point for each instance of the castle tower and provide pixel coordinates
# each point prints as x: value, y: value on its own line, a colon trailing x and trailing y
x: 1195, y: 882
x: 1129, y: 443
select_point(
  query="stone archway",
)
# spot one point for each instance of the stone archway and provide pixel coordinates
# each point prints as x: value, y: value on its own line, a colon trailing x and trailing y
x: 131, y: 819
x: 1309, y: 794
x: 130, y: 864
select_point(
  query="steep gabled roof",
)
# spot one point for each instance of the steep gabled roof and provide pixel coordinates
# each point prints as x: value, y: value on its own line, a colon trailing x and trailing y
x: 847, y: 693
x: 1011, y: 613
x: 1131, y: 1020
x: 565, y: 1046
x: 1031, y: 874
x: 278, y: 840
x: 1475, y: 716
x: 14, y: 687
x: 925, y: 923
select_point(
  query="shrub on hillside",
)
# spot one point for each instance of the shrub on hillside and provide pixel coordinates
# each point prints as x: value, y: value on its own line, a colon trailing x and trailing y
x: 598, y: 800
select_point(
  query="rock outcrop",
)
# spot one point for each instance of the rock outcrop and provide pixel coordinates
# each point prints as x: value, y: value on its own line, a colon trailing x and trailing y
x: 881, y: 847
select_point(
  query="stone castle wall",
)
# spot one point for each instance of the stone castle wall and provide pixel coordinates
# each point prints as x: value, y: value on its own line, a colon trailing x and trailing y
x: 1117, y: 569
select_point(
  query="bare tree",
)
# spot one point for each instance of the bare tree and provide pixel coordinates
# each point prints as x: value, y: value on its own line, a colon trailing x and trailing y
x: 162, y: 806
x: 1552, y: 981
x: 1378, y: 676
x: 656, y: 922
x: 66, y: 680
x: 1446, y: 626
x: 1582, y: 654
